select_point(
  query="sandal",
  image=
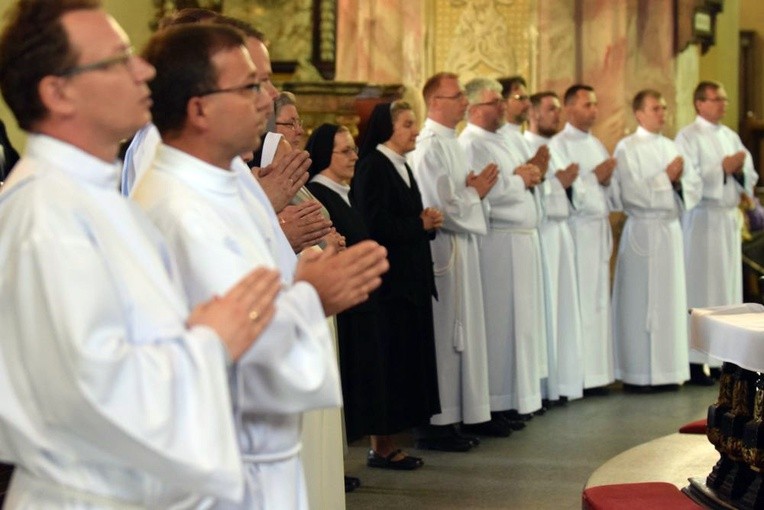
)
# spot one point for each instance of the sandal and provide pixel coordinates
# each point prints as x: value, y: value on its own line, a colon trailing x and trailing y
x: 407, y: 463
x: 352, y: 483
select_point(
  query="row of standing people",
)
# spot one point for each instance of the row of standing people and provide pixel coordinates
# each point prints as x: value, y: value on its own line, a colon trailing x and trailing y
x: 157, y: 353
x: 522, y: 262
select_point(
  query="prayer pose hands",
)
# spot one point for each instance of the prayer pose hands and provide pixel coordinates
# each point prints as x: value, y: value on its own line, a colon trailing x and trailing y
x: 541, y: 160
x: 530, y: 174
x: 431, y: 218
x: 675, y: 169
x: 242, y: 313
x: 485, y: 180
x: 568, y: 175
x: 604, y: 171
x: 345, y: 279
x: 335, y: 240
x: 283, y: 178
x: 734, y: 163
x: 304, y: 225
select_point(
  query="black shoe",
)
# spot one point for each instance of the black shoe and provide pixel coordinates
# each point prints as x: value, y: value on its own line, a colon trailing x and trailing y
x: 637, y: 388
x: 666, y: 387
x: 716, y: 372
x: 494, y: 428
x: 563, y: 401
x: 444, y: 444
x: 512, y: 424
x: 472, y: 440
x: 407, y: 463
x: 541, y: 411
x: 513, y: 415
x: 352, y: 483
x: 698, y: 376
x: 599, y: 391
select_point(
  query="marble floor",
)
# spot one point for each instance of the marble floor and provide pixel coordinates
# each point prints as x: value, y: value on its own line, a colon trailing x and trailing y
x: 544, y: 466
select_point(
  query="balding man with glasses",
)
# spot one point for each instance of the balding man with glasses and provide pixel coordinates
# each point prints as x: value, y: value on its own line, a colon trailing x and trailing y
x: 711, y: 230
x: 449, y: 184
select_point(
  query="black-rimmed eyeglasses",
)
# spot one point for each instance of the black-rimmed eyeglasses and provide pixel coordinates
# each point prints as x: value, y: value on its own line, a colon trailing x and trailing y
x: 294, y: 124
x: 253, y: 87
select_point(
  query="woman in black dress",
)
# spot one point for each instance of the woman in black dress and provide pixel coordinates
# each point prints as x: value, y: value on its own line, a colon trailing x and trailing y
x: 363, y: 357
x: 386, y: 195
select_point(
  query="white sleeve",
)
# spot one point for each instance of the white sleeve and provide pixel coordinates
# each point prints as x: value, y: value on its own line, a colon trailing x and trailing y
x: 460, y: 204
x: 147, y: 392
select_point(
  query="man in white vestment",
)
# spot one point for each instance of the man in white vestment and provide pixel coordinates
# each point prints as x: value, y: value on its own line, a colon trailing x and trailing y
x: 516, y: 109
x: 447, y: 183
x: 558, y: 251
x: 590, y: 226
x: 208, y: 108
x: 712, y: 230
x: 651, y: 186
x: 114, y: 395
x: 510, y: 262
x: 303, y: 225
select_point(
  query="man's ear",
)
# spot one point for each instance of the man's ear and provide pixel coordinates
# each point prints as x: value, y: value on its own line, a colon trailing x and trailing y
x: 196, y: 114
x: 55, y: 95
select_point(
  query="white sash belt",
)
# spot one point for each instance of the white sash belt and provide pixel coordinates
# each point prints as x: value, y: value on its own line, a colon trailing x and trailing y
x: 652, y: 215
x: 504, y: 227
x: 261, y: 458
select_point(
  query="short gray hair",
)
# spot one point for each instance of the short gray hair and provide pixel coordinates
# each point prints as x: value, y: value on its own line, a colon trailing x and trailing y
x: 476, y: 86
x: 284, y: 99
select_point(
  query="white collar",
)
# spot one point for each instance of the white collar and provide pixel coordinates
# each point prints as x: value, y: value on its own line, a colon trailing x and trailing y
x: 72, y: 160
x: 439, y: 128
x: 194, y: 172
x: 391, y: 154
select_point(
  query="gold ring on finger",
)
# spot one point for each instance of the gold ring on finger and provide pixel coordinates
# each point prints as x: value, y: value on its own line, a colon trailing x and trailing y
x: 254, y: 315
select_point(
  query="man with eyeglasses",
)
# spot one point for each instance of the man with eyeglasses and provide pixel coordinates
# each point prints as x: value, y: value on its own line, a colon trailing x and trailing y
x: 114, y: 394
x: 208, y: 108
x: 592, y: 235
x: 510, y: 263
x: 711, y: 230
x: 517, y: 106
x: 448, y: 184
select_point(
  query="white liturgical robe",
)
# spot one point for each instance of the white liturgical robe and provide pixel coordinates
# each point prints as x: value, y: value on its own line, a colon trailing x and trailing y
x: 712, y: 229
x: 441, y: 169
x: 510, y: 261
x: 107, y: 400
x: 218, y: 232
x: 138, y: 156
x: 649, y: 295
x: 592, y: 236
x: 560, y: 284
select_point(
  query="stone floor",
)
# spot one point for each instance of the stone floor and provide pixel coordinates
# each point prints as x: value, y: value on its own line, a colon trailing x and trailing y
x: 544, y: 466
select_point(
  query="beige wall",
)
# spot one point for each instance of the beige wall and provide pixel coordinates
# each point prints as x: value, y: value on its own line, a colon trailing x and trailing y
x: 721, y: 61
x: 752, y: 18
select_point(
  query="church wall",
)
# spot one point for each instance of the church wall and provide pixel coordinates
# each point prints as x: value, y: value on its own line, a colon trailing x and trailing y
x: 722, y: 60
x: 752, y: 18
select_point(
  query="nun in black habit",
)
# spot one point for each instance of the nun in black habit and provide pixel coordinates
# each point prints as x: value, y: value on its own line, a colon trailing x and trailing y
x: 366, y: 388
x: 386, y: 195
